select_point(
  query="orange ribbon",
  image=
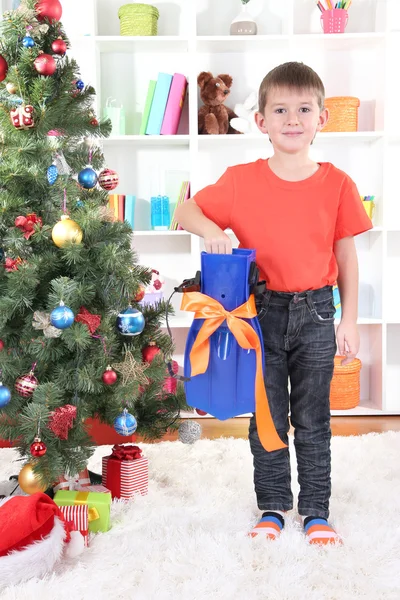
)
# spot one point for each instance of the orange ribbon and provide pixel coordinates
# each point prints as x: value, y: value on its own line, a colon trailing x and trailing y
x: 214, y: 314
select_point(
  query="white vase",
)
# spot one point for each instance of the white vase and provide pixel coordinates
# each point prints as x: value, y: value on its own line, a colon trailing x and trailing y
x: 243, y: 24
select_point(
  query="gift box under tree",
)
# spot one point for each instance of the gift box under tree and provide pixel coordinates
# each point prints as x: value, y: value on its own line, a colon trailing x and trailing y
x: 78, y: 519
x: 66, y: 482
x: 125, y: 472
x: 98, y: 503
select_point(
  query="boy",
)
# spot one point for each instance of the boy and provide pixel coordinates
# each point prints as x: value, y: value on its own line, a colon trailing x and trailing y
x: 300, y: 216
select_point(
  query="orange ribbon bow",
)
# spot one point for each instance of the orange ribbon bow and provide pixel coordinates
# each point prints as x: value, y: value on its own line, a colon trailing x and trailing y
x: 214, y: 314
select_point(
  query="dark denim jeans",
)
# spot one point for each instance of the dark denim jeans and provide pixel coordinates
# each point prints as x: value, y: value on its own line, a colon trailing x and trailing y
x: 299, y: 343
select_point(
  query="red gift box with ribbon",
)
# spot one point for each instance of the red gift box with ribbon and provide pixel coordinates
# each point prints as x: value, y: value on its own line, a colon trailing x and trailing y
x: 125, y: 472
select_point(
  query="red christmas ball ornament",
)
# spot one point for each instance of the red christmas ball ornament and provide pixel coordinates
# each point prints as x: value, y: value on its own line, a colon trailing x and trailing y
x: 59, y: 46
x: 200, y: 412
x: 109, y: 376
x: 26, y: 385
x: 108, y: 179
x: 140, y: 294
x: 38, y: 448
x: 94, y: 122
x: 3, y: 68
x: 150, y: 352
x: 1, y: 345
x: 49, y: 9
x: 45, y: 65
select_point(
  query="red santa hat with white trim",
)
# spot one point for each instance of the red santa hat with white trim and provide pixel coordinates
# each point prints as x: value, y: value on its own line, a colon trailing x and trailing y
x: 33, y: 534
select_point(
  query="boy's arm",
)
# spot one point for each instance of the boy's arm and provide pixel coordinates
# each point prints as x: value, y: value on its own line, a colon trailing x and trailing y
x: 191, y: 218
x: 347, y: 336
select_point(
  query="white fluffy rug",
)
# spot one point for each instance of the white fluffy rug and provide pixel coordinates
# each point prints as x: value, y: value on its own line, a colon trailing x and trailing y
x: 187, y: 539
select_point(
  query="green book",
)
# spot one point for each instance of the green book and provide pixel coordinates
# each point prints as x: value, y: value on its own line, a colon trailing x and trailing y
x: 147, y: 106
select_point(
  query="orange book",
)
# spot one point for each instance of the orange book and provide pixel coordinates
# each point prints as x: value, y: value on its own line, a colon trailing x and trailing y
x: 121, y: 207
x: 112, y: 200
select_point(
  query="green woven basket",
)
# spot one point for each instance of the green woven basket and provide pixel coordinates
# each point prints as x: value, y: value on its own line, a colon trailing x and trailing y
x: 138, y: 19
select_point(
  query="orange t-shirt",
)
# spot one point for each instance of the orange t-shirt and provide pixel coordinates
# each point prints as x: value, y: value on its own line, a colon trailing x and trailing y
x: 292, y: 225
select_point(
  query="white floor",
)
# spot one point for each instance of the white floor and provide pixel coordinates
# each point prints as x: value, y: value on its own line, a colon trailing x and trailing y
x: 187, y: 539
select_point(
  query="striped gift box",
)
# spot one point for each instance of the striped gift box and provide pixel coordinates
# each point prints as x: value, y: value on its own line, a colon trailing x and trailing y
x: 79, y: 516
x: 132, y: 476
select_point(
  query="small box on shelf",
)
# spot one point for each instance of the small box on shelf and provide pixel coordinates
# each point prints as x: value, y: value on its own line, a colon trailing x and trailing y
x: 369, y: 205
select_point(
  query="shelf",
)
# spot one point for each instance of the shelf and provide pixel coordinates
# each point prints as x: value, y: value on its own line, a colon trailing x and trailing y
x: 148, y: 140
x: 333, y: 41
x: 160, y: 233
x: 126, y: 44
x: 365, y: 321
x: 178, y: 322
x: 363, y: 411
x: 206, y: 140
x: 239, y: 43
x: 262, y: 43
x: 362, y: 136
x: 358, y: 136
x: 193, y: 38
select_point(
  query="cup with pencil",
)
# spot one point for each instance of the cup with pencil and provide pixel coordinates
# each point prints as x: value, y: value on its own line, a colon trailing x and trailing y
x: 369, y: 205
x: 334, y: 15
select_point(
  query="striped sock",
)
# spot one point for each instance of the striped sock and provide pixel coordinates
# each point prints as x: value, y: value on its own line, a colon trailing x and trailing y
x: 318, y: 531
x: 270, y: 525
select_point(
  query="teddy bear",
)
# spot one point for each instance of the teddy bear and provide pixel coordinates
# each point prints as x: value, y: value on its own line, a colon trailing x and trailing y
x: 214, y: 116
x: 245, y: 121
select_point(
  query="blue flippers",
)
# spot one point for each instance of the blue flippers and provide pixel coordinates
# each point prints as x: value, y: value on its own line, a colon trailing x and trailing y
x: 227, y: 388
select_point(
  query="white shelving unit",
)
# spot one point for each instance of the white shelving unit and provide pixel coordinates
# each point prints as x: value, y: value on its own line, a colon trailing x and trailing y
x: 194, y: 36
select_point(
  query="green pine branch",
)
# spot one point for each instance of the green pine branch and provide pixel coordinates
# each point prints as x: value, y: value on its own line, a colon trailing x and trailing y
x: 102, y: 274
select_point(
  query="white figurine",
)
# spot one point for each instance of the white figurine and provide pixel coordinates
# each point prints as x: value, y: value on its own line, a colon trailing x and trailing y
x: 245, y: 122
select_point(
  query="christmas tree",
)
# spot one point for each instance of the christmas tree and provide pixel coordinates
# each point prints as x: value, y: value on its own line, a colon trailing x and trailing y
x: 74, y: 340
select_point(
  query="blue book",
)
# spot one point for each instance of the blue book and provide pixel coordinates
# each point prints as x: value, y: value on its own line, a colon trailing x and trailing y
x: 159, y: 104
x: 130, y: 202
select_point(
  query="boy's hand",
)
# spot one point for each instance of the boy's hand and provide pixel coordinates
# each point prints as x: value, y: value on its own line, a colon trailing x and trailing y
x: 216, y: 241
x: 348, y: 340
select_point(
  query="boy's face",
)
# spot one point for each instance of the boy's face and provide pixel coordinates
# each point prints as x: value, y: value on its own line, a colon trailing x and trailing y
x: 291, y: 118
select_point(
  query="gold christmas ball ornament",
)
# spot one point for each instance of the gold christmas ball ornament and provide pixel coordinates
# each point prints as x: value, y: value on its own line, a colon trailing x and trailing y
x: 65, y: 231
x: 11, y: 88
x: 28, y: 480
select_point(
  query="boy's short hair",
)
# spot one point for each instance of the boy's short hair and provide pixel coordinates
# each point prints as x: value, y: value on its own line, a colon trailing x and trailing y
x: 293, y: 75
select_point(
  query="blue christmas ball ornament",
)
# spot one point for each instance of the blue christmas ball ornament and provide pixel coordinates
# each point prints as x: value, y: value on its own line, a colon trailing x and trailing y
x: 79, y: 84
x: 87, y: 178
x: 52, y: 174
x: 62, y: 317
x: 125, y: 423
x: 28, y: 41
x: 130, y: 322
x: 5, y: 395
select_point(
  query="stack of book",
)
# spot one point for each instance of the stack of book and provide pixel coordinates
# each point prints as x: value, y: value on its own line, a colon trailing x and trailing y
x: 123, y: 207
x: 163, y: 105
x: 184, y: 194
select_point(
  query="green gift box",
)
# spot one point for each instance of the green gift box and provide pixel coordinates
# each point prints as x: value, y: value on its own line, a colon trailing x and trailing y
x: 99, y: 505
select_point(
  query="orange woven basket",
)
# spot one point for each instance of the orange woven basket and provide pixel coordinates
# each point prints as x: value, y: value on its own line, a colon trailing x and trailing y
x: 345, y: 386
x: 343, y: 113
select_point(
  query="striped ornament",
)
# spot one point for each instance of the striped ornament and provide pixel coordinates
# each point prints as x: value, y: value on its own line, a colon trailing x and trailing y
x: 26, y: 385
x: 108, y: 179
x: 134, y: 477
